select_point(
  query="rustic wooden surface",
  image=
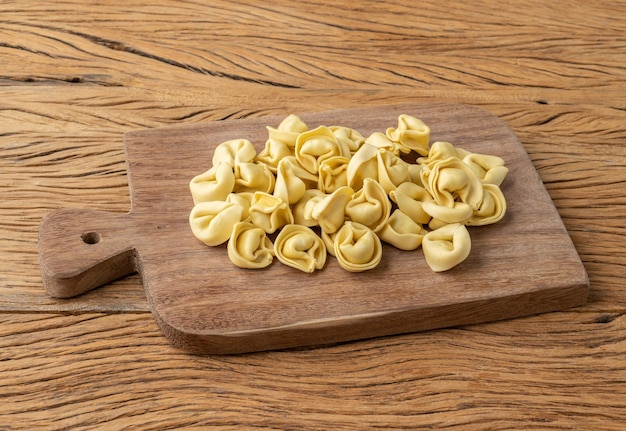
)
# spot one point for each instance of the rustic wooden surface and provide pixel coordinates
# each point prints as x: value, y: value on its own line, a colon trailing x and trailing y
x: 206, y: 304
x: 75, y: 77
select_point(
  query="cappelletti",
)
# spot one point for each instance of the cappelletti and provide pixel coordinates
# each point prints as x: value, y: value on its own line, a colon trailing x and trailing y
x: 331, y: 191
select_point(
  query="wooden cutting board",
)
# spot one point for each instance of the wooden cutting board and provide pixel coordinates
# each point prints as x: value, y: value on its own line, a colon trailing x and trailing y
x: 525, y: 264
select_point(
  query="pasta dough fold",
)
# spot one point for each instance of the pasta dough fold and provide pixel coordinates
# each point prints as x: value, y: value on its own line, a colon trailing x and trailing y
x: 357, y: 248
x: 234, y: 152
x: 489, y: 169
x: 370, y: 206
x: 362, y: 165
x: 288, y: 130
x: 442, y: 150
x: 269, y: 212
x: 449, y: 180
x: 459, y: 212
x: 412, y: 134
x: 244, y: 200
x: 251, y: 177
x: 299, y: 247
x: 214, y: 184
x: 333, y: 173
x: 315, y: 146
x: 330, y: 212
x: 402, y: 232
x: 249, y: 246
x: 377, y: 163
x: 212, y: 222
x: 292, y: 180
x: 410, y: 198
x: 446, y: 247
x: 392, y: 170
x: 347, y: 137
x: 492, y: 209
x: 332, y: 191
x: 303, y: 209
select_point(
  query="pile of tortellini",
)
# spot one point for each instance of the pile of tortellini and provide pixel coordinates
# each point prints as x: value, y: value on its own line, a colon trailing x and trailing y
x: 330, y: 190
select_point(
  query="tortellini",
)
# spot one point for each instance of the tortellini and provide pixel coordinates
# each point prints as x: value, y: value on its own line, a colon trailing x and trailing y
x: 212, y: 222
x: 450, y: 180
x: 301, y: 248
x: 330, y: 212
x: 492, y: 208
x: 292, y: 180
x: 288, y: 130
x: 315, y: 146
x: 402, y: 232
x: 251, y: 177
x: 333, y: 173
x: 234, y: 152
x: 379, y: 164
x: 370, y: 206
x: 348, y: 137
x: 213, y: 185
x: 412, y: 134
x: 446, y: 246
x: 303, y: 209
x: 357, y: 248
x: 269, y: 212
x: 249, y: 246
x: 409, y: 198
x: 490, y: 169
x: 331, y: 191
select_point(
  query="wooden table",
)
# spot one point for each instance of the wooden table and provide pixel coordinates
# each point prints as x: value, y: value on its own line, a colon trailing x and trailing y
x: 74, y: 77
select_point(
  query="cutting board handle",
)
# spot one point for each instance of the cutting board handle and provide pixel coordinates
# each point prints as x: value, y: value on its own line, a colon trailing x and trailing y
x: 82, y: 249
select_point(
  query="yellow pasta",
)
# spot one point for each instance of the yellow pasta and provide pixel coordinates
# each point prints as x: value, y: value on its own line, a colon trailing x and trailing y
x: 244, y: 200
x: 251, y: 177
x: 273, y: 153
x: 292, y: 180
x: 234, y: 152
x: 357, y: 248
x: 370, y: 206
x: 315, y: 146
x: 410, y: 198
x: 441, y: 150
x: 457, y: 212
x: 492, y: 208
x: 490, y: 169
x: 412, y: 134
x: 303, y: 209
x: 332, y: 173
x: 362, y: 165
x: 333, y: 191
x: 392, y: 170
x: 212, y: 222
x: 347, y: 137
x: 381, y: 141
x: 329, y: 241
x: 330, y: 212
x: 402, y: 231
x: 446, y: 246
x: 249, y: 246
x: 377, y: 161
x: 288, y: 130
x: 299, y: 247
x: 213, y: 185
x: 449, y: 180
x: 269, y: 212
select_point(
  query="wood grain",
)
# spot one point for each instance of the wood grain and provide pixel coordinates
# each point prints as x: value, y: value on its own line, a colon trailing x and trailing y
x: 75, y: 77
x: 556, y: 371
x: 205, y: 304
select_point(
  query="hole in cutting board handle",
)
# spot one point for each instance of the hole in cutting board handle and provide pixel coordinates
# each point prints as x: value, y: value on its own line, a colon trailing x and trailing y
x: 91, y: 238
x: 80, y: 250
